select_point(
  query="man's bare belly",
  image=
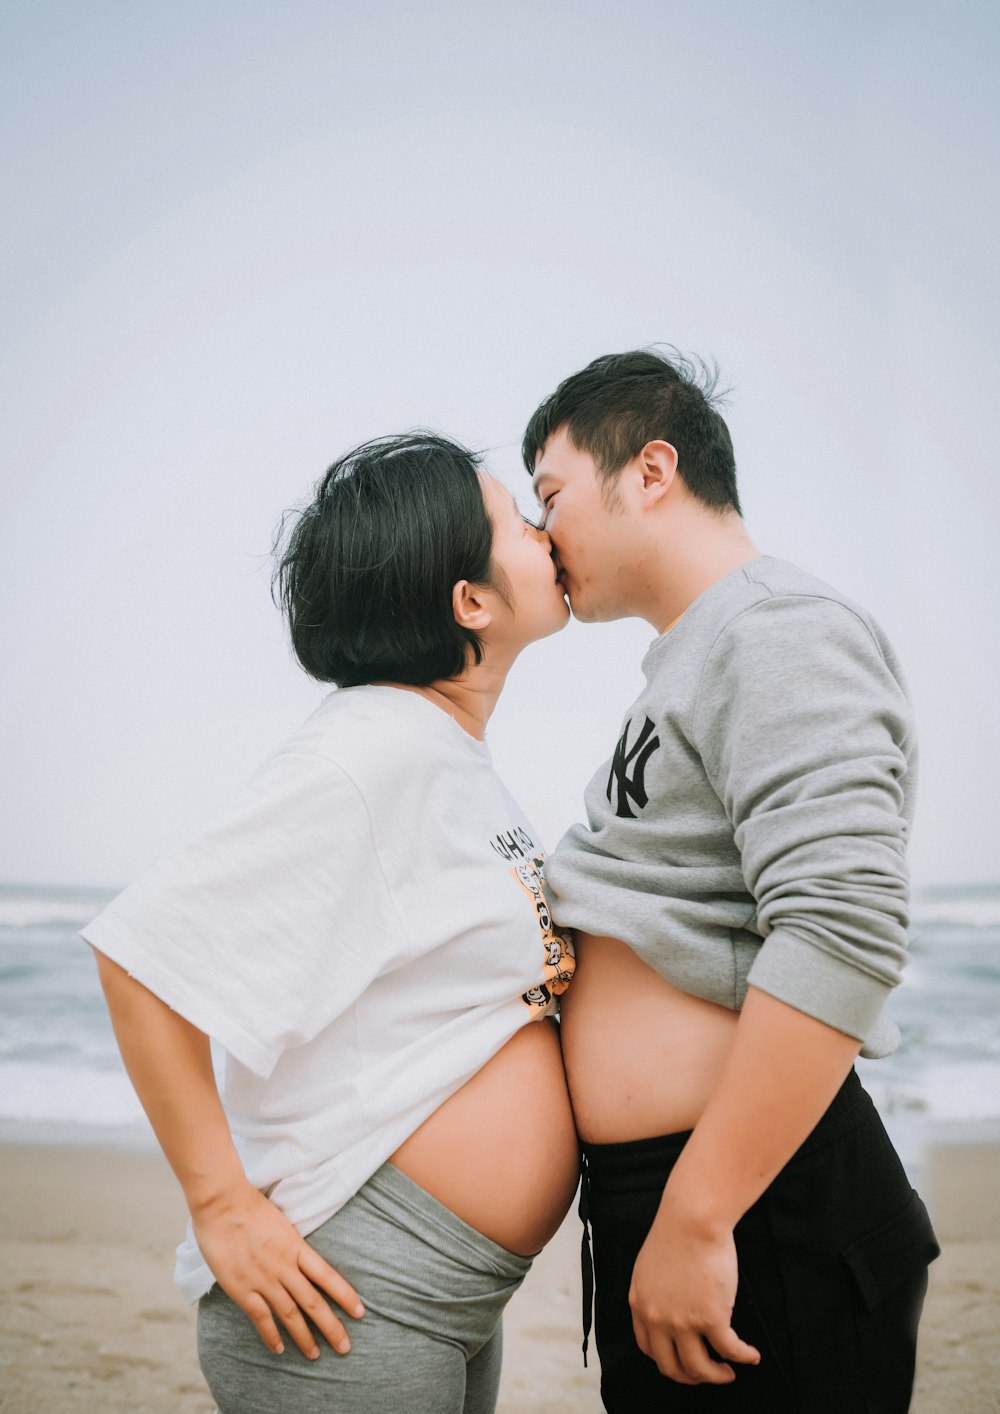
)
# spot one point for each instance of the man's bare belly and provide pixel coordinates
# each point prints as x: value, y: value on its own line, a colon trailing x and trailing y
x: 641, y: 1057
x: 502, y: 1153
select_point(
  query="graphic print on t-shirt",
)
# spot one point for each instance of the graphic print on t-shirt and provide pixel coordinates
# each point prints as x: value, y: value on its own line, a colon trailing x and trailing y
x: 632, y: 787
x: 514, y: 844
x: 560, y: 955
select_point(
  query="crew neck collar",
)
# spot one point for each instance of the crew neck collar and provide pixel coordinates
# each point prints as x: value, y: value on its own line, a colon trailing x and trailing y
x: 437, y: 718
x: 677, y: 628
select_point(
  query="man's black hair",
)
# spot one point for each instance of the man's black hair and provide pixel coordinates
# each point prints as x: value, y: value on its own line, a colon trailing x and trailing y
x: 366, y: 572
x: 618, y: 403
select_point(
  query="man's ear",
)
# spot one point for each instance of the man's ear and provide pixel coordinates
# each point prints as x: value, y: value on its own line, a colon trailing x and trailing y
x: 658, y: 465
x: 470, y: 606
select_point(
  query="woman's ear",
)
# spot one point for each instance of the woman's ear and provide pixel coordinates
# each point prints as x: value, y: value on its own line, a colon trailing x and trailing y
x: 469, y: 603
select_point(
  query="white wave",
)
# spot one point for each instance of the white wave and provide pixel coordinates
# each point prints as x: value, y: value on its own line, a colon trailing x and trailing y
x: 41, y: 912
x: 62, y: 1094
x: 969, y: 1091
x: 957, y: 912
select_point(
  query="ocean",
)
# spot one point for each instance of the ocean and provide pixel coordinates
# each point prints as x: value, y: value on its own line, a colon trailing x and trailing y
x: 61, y: 1079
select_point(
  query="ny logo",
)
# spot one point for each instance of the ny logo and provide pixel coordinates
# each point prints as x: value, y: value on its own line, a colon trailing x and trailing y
x: 632, y: 787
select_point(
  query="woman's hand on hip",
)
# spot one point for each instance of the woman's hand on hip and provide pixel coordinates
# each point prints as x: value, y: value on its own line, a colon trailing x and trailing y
x: 271, y: 1272
x: 256, y: 1255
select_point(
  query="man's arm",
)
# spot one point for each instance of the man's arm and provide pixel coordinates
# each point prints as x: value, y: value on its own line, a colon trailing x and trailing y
x: 804, y: 732
x: 784, y: 1070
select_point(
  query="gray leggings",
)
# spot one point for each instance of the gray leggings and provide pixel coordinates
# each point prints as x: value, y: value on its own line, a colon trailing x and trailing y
x: 431, y: 1342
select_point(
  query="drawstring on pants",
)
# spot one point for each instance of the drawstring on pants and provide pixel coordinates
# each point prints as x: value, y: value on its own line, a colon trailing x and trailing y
x: 586, y: 1256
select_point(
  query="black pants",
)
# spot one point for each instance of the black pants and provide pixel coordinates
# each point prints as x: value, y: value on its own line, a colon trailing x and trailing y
x: 833, y: 1270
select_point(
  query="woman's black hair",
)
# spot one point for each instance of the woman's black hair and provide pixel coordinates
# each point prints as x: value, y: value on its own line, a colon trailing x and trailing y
x: 365, y: 574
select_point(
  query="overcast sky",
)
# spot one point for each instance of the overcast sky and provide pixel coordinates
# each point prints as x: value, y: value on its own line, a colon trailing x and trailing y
x: 239, y: 238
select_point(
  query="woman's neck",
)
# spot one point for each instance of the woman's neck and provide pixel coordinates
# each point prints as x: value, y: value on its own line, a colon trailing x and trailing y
x: 469, y: 699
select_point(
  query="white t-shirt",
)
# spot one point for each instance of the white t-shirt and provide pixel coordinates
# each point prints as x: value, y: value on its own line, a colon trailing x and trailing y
x: 360, y: 935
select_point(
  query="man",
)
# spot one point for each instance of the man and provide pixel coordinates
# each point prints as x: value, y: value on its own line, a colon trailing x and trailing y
x: 740, y: 896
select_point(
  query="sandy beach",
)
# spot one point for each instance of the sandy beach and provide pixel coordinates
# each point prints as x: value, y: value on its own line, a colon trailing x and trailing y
x: 90, y: 1321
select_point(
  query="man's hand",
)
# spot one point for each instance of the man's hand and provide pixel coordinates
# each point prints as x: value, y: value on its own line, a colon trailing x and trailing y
x: 782, y: 1073
x: 682, y: 1295
x: 262, y: 1263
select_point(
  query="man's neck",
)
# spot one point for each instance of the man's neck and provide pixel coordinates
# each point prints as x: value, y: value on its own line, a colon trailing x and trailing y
x: 681, y: 571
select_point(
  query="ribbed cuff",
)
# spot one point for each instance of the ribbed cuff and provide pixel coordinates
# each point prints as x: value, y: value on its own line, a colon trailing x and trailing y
x: 825, y: 987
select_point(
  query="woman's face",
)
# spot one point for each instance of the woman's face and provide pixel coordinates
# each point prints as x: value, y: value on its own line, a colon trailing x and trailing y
x: 524, y: 553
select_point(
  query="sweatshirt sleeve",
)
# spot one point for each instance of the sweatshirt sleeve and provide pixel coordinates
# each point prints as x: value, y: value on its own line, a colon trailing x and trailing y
x: 804, y: 732
x: 264, y: 929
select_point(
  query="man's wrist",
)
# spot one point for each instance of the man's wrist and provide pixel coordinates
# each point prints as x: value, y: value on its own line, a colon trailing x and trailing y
x: 696, y: 1206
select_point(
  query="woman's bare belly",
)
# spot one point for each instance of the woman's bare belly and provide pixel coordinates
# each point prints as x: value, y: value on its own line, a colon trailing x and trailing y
x: 502, y: 1152
x: 641, y: 1057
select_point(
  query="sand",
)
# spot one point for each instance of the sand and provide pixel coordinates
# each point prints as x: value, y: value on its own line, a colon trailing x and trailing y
x: 90, y: 1321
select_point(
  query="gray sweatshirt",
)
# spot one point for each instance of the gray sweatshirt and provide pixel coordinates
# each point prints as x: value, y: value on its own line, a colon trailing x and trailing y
x: 751, y: 826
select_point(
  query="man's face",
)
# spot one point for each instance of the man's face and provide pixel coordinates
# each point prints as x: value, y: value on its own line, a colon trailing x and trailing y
x: 589, y: 536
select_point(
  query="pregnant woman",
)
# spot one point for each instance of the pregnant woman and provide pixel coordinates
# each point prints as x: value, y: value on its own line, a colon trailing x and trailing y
x: 365, y: 936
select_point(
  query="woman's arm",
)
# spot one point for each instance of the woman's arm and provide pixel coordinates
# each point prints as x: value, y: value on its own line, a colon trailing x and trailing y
x: 256, y: 1255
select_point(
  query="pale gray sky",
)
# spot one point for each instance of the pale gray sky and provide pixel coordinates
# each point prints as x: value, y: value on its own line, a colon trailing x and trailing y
x: 241, y: 237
